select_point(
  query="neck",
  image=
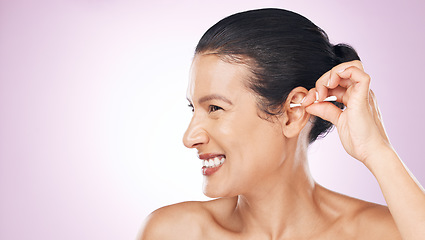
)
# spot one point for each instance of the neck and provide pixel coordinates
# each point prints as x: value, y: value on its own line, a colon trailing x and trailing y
x: 284, y: 203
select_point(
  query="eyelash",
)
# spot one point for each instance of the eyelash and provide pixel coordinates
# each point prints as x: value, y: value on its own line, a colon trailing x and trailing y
x: 211, y: 108
x: 191, y: 106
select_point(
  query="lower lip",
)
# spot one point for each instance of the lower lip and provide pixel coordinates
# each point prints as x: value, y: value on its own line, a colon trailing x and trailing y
x: 208, y: 171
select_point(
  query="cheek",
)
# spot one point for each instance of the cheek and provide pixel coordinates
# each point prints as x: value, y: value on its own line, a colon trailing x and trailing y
x: 252, y: 147
x: 265, y: 146
x: 253, y: 142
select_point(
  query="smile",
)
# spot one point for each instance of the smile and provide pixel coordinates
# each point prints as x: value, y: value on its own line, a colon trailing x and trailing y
x: 213, y: 162
x: 212, y: 165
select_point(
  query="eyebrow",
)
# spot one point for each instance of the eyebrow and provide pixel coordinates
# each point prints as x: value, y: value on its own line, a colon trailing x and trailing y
x: 213, y: 97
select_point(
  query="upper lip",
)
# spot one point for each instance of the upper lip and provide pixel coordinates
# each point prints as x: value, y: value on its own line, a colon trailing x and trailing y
x: 205, y: 156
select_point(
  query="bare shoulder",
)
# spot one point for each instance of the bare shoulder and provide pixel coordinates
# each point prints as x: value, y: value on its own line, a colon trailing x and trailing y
x: 360, y: 219
x: 375, y: 221
x: 188, y: 220
x: 177, y: 221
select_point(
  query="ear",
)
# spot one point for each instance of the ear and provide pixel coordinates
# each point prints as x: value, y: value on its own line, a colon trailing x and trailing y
x: 294, y: 119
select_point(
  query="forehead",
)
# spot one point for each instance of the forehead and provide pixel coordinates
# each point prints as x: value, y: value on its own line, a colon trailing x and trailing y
x: 209, y: 74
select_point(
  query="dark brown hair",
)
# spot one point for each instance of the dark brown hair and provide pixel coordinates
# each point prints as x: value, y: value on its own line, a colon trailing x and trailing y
x: 282, y: 49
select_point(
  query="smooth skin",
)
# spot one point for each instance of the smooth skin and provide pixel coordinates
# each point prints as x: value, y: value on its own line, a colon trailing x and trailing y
x: 265, y: 187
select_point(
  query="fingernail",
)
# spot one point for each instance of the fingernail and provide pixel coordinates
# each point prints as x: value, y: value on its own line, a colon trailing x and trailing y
x: 317, y: 96
x: 329, y: 82
x: 342, y: 70
x: 302, y: 100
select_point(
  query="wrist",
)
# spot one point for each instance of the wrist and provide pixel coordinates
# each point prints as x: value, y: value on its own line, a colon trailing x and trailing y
x: 382, y: 157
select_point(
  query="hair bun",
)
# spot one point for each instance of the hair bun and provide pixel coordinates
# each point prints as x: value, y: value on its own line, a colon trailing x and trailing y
x: 345, y: 53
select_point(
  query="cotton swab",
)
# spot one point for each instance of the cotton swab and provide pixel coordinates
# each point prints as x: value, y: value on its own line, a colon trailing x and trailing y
x: 328, y: 99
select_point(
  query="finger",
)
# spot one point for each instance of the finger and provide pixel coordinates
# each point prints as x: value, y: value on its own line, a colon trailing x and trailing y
x: 325, y: 91
x: 346, y: 83
x: 331, y: 80
x: 339, y: 91
x: 322, y: 86
x: 333, y: 73
x: 310, y: 97
x: 341, y: 67
x: 326, y: 111
x: 359, y: 77
x: 341, y: 94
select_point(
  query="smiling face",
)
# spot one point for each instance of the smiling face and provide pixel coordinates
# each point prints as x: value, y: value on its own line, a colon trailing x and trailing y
x: 226, y: 124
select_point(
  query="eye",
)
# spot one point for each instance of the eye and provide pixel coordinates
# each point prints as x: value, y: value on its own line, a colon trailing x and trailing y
x: 213, y: 108
x: 191, y: 106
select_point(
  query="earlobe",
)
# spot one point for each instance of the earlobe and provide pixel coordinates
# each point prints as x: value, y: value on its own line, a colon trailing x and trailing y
x: 294, y: 118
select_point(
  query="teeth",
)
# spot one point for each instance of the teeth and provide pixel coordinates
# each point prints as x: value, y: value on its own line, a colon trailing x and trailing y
x: 216, y: 162
x: 213, y: 162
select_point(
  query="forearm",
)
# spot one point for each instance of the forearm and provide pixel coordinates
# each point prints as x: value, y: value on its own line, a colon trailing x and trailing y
x: 404, y: 195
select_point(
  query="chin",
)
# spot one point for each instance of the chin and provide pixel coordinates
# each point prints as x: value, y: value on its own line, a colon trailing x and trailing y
x: 211, y: 192
x: 212, y: 195
x: 214, y: 191
x: 217, y: 195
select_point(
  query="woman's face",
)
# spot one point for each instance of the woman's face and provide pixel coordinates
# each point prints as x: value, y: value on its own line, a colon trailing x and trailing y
x: 226, y: 124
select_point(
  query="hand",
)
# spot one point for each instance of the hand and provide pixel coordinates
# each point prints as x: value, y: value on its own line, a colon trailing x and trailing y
x: 359, y: 126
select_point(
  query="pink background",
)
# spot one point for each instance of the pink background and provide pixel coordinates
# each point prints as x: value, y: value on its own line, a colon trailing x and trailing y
x: 93, y: 108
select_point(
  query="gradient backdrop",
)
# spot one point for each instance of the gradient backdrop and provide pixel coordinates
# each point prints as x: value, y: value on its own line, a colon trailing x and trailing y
x: 93, y: 108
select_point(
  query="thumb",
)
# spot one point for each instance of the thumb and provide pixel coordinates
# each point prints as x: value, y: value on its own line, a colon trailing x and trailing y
x: 325, y: 110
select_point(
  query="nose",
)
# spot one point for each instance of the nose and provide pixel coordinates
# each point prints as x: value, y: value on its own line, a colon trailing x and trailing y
x: 195, y: 134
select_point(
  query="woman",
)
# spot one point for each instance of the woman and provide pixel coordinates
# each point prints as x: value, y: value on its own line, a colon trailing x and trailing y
x: 247, y: 71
